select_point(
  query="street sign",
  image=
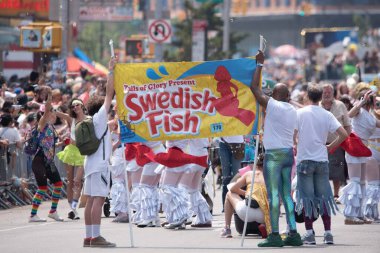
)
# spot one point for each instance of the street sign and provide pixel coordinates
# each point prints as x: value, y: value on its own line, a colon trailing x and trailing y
x: 105, y: 13
x: 160, y: 31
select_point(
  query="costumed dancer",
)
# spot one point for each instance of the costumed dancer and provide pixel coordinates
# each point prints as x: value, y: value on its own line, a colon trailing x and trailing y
x: 71, y: 157
x: 191, y: 181
x: 43, y: 163
x: 354, y: 193
x: 148, y: 187
x: 373, y: 177
x: 119, y: 201
x: 134, y: 175
x: 278, y: 143
x: 175, y: 200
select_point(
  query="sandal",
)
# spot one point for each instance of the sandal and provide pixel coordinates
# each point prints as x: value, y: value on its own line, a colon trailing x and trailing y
x: 353, y: 221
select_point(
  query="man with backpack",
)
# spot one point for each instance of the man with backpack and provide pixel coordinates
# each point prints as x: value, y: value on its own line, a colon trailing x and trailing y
x: 97, y: 176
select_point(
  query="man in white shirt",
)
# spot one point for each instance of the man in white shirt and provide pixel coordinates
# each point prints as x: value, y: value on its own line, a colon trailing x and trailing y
x: 97, y: 175
x: 313, y: 188
x: 279, y: 126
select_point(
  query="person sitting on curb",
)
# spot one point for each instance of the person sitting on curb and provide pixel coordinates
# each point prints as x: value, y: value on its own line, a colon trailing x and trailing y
x: 235, y: 203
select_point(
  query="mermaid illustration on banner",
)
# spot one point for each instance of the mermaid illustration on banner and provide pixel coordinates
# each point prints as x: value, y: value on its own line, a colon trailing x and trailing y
x: 228, y: 103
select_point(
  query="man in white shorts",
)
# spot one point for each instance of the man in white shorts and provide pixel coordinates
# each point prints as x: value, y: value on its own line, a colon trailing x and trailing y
x: 97, y: 175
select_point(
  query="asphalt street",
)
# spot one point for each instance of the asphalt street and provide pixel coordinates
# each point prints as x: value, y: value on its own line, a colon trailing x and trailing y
x: 17, y: 235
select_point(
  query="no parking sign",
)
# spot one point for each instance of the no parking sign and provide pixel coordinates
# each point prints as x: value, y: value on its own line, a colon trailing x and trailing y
x: 160, y: 31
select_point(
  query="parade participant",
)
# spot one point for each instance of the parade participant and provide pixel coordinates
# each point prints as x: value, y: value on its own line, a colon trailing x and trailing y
x: 148, y: 186
x: 134, y: 176
x: 119, y: 202
x: 176, y: 161
x: 353, y: 194
x: 336, y: 159
x: 372, y: 197
x: 43, y: 165
x: 235, y: 203
x: 278, y: 143
x: 313, y: 188
x: 71, y: 157
x: 174, y: 199
x: 191, y: 181
x: 97, y: 176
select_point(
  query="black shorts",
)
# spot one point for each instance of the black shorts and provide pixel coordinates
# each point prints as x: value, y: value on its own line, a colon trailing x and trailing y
x: 44, y: 169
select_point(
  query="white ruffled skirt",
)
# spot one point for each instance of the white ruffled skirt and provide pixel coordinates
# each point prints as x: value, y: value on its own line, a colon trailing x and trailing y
x: 371, y: 200
x: 135, y: 204
x: 351, y: 196
x: 200, y: 208
x: 149, y: 202
x: 118, y: 193
x: 175, y: 203
x: 119, y: 201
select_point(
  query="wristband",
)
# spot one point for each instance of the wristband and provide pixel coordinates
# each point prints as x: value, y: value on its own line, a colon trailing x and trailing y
x: 260, y: 64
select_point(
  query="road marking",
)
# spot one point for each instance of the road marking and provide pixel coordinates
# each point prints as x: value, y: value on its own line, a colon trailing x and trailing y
x: 10, y: 229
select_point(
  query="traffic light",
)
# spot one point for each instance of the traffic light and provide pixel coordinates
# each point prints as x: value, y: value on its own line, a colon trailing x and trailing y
x: 41, y: 37
x: 134, y: 47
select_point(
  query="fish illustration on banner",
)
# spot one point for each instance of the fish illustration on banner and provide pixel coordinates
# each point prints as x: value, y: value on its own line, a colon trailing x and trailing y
x: 183, y: 100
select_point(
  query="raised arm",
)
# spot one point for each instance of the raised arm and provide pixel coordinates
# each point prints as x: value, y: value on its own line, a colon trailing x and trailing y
x: 48, y: 110
x: 356, y: 109
x: 110, y: 90
x: 255, y: 84
x: 65, y: 117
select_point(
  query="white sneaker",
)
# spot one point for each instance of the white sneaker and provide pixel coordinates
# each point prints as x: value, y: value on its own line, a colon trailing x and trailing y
x: 146, y: 223
x: 35, y: 218
x: 122, y: 218
x: 55, y: 216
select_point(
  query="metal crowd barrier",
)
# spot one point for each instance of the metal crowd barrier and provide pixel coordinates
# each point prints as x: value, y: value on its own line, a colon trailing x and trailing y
x: 18, y: 165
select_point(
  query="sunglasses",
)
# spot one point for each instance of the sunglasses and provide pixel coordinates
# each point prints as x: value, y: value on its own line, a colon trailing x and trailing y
x: 75, y: 105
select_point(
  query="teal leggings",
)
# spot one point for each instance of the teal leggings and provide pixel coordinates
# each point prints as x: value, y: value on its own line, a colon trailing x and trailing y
x: 277, y: 174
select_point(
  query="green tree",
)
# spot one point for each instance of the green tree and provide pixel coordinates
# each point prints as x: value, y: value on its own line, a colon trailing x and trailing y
x: 180, y: 49
x: 94, y: 37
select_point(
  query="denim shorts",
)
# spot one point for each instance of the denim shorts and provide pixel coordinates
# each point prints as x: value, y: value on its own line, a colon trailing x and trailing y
x: 313, y: 188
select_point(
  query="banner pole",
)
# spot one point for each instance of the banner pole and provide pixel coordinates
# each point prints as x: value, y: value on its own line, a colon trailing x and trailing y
x: 251, y: 190
x: 128, y: 200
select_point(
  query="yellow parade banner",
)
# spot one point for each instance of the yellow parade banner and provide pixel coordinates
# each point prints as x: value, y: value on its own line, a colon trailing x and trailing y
x: 183, y: 100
